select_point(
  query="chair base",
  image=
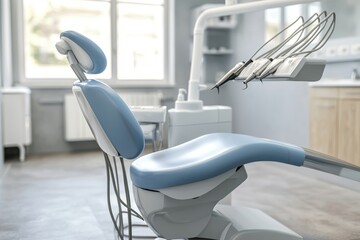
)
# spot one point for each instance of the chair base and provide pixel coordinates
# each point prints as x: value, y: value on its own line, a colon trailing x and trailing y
x: 173, y: 218
x: 203, y: 218
x: 241, y: 223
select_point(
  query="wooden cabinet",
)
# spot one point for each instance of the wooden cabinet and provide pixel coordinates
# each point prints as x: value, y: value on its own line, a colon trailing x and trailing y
x: 324, y: 116
x: 349, y: 125
x: 335, y: 122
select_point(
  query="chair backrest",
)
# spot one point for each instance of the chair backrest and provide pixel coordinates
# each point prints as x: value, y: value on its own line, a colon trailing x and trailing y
x: 114, y: 126
x: 111, y: 121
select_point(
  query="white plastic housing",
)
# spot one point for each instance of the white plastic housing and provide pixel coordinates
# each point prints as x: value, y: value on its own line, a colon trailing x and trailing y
x: 185, y: 125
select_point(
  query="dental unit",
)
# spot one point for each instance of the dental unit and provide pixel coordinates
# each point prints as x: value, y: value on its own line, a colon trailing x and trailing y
x: 266, y: 59
x: 273, y: 62
x: 268, y: 63
x: 177, y: 190
x: 299, y: 47
x: 237, y: 69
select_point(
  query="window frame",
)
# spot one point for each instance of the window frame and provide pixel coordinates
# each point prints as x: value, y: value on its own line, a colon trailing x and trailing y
x: 18, y: 50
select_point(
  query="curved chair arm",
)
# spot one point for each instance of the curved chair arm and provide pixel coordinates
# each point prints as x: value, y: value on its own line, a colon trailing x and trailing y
x: 213, y: 154
x: 329, y: 164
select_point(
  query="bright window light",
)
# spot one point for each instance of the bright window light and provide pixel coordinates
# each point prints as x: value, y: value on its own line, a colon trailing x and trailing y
x: 44, y: 20
x: 272, y: 24
x: 140, y: 41
x: 136, y: 49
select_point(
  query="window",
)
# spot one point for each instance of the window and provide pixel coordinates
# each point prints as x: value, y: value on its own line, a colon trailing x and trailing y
x: 277, y: 19
x: 291, y: 13
x: 132, y: 34
x: 140, y: 41
x: 272, y: 24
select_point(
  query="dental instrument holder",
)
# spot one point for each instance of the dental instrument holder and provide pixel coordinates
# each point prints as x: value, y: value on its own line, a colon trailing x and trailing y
x: 193, y: 102
x: 296, y: 69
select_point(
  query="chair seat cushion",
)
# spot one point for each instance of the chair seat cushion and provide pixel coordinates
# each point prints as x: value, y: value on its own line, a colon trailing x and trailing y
x: 206, y: 157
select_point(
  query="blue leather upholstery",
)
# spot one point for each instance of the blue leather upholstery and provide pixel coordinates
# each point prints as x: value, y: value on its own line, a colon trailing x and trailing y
x: 207, y: 157
x: 114, y: 117
x: 95, y: 53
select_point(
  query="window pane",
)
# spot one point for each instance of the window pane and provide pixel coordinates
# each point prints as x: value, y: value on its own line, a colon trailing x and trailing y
x: 291, y: 14
x: 272, y: 24
x: 312, y: 9
x: 43, y: 22
x: 150, y: 2
x: 140, y: 41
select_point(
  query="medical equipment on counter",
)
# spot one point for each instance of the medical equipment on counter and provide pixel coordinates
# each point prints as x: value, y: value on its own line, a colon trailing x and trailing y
x: 177, y: 189
x: 187, y: 125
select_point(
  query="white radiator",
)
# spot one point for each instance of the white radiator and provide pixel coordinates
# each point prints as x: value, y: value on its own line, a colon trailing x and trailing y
x: 76, y: 127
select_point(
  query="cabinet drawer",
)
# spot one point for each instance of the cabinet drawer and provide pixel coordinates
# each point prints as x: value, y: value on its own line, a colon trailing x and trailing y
x: 324, y: 92
x: 349, y: 93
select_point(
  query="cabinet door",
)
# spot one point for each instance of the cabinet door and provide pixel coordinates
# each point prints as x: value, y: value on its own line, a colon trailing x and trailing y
x: 349, y: 131
x: 323, y: 125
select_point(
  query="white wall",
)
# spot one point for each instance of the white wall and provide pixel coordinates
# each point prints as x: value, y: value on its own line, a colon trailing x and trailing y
x: 273, y: 110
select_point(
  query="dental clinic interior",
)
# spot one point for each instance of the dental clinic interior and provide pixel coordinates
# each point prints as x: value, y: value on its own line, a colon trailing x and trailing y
x: 179, y: 119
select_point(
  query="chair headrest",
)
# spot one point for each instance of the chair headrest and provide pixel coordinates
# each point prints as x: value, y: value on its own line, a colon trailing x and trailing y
x: 89, y: 55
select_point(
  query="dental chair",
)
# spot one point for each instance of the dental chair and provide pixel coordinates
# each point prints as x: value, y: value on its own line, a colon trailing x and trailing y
x: 177, y: 190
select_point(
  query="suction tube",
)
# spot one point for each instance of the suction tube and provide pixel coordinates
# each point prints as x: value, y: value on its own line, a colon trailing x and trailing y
x: 328, y: 164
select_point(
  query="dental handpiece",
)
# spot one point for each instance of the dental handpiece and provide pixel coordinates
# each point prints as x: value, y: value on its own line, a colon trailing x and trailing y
x: 261, y: 65
x: 232, y: 74
x: 228, y: 76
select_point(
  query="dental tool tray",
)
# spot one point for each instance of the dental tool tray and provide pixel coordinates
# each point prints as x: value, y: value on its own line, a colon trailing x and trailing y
x: 295, y: 69
x: 301, y: 69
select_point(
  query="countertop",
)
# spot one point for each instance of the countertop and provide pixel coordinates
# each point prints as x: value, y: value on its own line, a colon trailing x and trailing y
x: 335, y: 83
